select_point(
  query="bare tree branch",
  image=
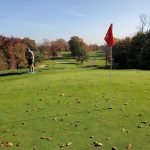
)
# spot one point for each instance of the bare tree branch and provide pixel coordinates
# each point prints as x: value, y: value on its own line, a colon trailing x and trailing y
x: 143, y: 20
x: 148, y: 23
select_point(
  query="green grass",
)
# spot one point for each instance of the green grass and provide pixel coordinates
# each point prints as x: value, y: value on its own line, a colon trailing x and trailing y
x: 69, y: 103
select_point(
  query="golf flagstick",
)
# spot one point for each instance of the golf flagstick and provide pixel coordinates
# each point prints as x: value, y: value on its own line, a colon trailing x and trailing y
x: 109, y: 40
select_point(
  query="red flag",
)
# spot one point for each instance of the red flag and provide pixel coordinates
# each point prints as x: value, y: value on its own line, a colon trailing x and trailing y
x: 109, y: 36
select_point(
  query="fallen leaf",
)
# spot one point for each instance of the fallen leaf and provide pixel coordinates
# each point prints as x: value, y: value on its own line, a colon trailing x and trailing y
x: 126, y: 104
x: 108, y: 138
x: 5, y: 131
x: 61, y: 145
x: 124, y: 130
x: 78, y: 102
x: 140, y: 126
x: 62, y: 94
x: 140, y: 115
x: 43, y: 137
x: 69, y: 143
x: 61, y: 119
x: 97, y: 144
x: 114, y: 148
x: 145, y: 122
x: 9, y: 144
x: 126, y: 115
x: 49, y: 138
x: 92, y: 137
x: 6, y: 144
x: 18, y: 144
x: 15, y: 134
x: 55, y: 118
x: 129, y: 146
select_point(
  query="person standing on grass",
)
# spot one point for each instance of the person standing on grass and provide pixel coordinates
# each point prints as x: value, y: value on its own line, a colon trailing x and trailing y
x: 30, y: 58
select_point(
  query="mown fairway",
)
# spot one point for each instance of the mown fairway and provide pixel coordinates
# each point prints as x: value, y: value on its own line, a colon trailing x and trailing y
x: 67, y: 104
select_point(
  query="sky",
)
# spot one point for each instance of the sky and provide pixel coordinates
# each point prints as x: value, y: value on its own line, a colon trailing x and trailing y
x: 88, y: 19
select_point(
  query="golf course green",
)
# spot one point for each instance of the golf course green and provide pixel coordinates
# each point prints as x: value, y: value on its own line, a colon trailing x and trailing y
x: 65, y: 106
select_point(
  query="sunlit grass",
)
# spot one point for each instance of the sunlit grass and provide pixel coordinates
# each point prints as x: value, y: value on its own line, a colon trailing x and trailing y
x: 67, y: 104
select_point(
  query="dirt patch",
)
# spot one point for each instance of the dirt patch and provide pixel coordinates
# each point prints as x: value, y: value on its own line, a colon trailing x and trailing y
x: 43, y: 66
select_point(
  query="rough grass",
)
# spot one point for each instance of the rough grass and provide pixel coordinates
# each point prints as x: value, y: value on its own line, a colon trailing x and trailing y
x: 69, y: 103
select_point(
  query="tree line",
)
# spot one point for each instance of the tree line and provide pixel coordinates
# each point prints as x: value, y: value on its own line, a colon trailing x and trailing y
x: 132, y: 52
x: 12, y: 50
x: 128, y: 53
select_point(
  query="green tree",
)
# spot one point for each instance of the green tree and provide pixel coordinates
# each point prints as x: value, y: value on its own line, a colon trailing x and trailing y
x: 121, y: 53
x: 78, y: 49
x: 145, y: 53
x: 137, y: 43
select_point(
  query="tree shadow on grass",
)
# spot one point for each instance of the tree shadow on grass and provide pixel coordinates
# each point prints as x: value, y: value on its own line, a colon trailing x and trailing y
x: 108, y: 67
x: 67, y: 63
x: 12, y: 73
x: 96, y: 67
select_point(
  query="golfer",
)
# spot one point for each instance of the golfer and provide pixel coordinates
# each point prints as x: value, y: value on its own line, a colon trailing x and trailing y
x: 30, y: 58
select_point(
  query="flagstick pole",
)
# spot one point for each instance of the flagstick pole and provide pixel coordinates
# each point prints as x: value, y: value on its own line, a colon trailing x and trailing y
x: 110, y: 105
x: 109, y: 39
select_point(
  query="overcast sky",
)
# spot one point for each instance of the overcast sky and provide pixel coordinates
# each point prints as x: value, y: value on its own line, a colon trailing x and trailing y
x: 52, y: 19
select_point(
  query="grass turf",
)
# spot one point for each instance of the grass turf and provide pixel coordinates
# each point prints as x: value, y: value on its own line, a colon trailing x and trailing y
x: 69, y: 103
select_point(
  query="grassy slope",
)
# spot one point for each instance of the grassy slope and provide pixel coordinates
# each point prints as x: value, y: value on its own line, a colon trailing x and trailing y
x: 68, y: 102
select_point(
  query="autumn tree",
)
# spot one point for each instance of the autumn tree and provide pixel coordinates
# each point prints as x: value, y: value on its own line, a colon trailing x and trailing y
x: 19, y: 51
x: 8, y: 51
x: 57, y: 46
x: 62, y: 45
x: 54, y: 49
x: 44, y: 48
x: 12, y: 52
x: 94, y: 47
